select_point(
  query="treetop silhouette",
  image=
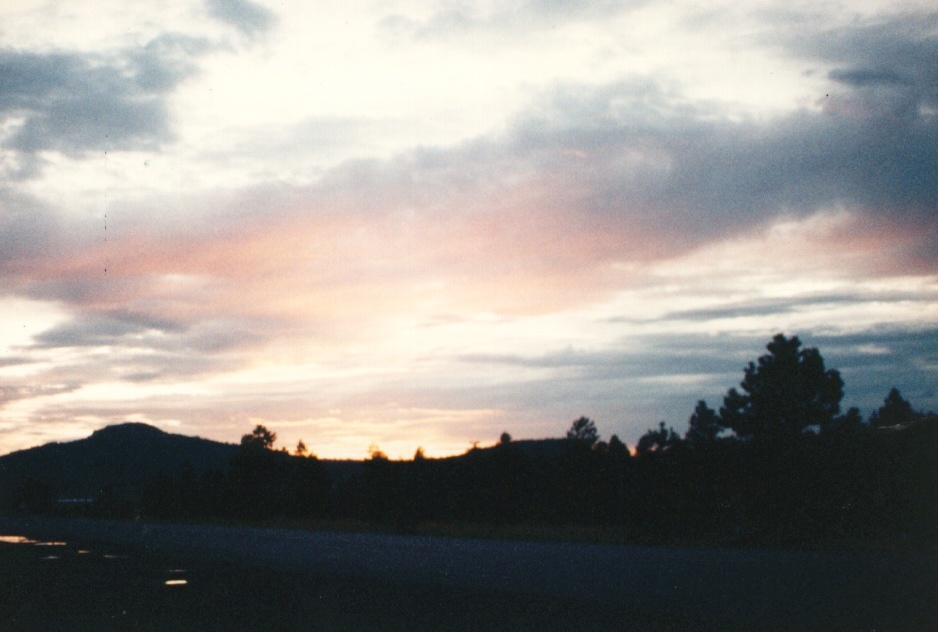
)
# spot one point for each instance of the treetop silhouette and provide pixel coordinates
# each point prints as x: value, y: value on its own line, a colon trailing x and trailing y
x: 260, y: 438
x: 583, y: 430
x: 895, y: 411
x: 786, y: 393
x: 704, y: 425
x: 664, y: 438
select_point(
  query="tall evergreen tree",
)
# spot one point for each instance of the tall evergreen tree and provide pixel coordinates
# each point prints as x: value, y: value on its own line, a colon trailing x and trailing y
x: 704, y: 425
x: 895, y: 411
x: 583, y: 430
x: 787, y: 392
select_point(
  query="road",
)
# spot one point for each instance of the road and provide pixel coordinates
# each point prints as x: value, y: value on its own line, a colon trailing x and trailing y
x: 689, y: 588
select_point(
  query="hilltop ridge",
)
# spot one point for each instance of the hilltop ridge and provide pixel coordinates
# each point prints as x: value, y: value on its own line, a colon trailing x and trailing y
x: 119, y: 459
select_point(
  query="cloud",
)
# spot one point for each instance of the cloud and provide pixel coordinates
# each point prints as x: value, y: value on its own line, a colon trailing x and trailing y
x: 668, y: 358
x: 507, y: 18
x: 27, y: 229
x: 533, y: 220
x: 875, y: 360
x: 614, y: 245
x: 587, y: 178
x: 626, y: 387
x: 6, y: 361
x: 10, y: 394
x: 648, y: 157
x: 249, y: 18
x: 166, y: 61
x: 74, y: 102
x: 898, y: 52
x: 117, y: 328
x: 767, y: 306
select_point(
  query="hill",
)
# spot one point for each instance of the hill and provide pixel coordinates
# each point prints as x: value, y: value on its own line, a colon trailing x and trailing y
x: 120, y: 459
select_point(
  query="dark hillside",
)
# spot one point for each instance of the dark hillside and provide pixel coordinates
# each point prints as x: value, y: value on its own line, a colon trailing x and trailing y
x: 118, y: 460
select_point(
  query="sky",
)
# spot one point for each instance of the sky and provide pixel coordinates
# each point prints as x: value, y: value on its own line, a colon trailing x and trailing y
x: 409, y: 223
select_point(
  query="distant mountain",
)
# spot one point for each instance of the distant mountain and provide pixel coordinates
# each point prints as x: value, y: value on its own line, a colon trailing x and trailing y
x: 120, y: 459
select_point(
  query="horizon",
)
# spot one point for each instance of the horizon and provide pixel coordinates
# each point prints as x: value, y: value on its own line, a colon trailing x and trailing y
x: 419, y: 224
x: 278, y: 446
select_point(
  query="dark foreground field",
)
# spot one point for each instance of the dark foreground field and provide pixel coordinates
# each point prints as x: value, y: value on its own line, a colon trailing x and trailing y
x: 88, y: 591
x: 113, y: 576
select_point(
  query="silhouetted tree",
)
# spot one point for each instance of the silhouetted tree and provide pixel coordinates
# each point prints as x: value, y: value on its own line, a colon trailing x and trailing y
x: 263, y: 482
x: 583, y: 430
x: 617, y: 447
x: 301, y: 449
x: 787, y: 392
x: 419, y: 455
x: 657, y: 440
x: 850, y: 422
x: 895, y: 411
x: 704, y: 425
x: 505, y: 438
x: 260, y: 437
x: 376, y: 454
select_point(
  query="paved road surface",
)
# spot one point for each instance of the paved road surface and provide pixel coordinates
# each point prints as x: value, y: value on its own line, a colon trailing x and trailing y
x: 761, y: 589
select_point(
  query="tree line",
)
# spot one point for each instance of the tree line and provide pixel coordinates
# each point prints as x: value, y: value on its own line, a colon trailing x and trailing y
x: 778, y: 463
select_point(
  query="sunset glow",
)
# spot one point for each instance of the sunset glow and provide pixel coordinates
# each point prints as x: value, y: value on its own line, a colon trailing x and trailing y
x: 417, y: 223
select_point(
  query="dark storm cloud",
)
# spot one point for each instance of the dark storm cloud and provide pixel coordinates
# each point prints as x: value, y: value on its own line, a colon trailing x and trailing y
x: 248, y: 17
x: 79, y: 102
